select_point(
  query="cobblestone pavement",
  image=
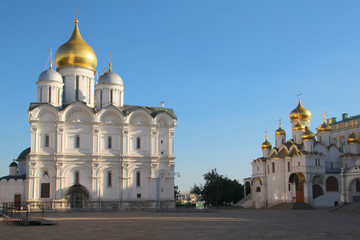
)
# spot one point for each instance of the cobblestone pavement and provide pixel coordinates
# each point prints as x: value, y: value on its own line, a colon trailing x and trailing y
x: 217, y: 224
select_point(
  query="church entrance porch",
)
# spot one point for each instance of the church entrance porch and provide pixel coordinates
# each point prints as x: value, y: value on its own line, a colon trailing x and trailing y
x: 77, y: 196
x: 298, y: 180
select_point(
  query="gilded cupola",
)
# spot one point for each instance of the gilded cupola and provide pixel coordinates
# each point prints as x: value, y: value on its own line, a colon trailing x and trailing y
x: 300, y: 113
x: 266, y: 145
x: 299, y: 127
x: 308, y: 135
x: 353, y: 138
x: 324, y: 127
x: 76, y: 52
x: 280, y: 131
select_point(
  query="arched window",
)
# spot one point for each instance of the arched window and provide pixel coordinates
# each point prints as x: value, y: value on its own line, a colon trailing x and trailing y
x: 77, y: 177
x: 46, y: 140
x: 109, y: 179
x: 258, y: 189
x: 332, y: 184
x: 138, y: 143
x: 77, y: 141
x: 138, y: 179
x: 49, y: 94
x: 109, y: 142
x: 317, y: 191
x: 273, y: 167
x: 111, y: 96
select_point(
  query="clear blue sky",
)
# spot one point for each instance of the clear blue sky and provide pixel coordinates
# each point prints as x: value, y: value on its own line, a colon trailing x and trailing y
x: 229, y: 69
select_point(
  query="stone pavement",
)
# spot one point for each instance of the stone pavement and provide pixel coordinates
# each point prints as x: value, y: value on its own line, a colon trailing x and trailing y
x: 216, y: 224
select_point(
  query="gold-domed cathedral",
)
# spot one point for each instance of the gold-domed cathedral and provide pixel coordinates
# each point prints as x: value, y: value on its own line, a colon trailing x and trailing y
x: 88, y: 149
x: 322, y: 169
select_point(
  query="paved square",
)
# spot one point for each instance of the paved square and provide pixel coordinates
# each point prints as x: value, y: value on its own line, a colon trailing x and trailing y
x: 217, y: 224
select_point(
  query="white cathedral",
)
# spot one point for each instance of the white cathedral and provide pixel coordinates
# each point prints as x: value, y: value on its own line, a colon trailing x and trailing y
x: 88, y: 149
x: 322, y: 170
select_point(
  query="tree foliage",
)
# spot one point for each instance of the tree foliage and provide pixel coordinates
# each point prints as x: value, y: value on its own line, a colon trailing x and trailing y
x: 219, y: 190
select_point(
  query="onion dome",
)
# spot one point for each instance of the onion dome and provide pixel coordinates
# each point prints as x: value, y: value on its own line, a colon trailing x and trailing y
x: 266, y: 145
x: 50, y: 75
x: 300, y: 113
x: 324, y: 127
x: 308, y: 135
x: 110, y: 77
x: 280, y: 131
x: 76, y: 52
x: 299, y: 127
x: 13, y: 164
x: 353, y: 138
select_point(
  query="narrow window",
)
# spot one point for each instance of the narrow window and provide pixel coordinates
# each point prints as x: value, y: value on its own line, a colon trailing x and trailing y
x: 111, y: 96
x: 299, y: 164
x: 138, y: 179
x: 289, y: 187
x: 41, y: 94
x: 282, y: 141
x: 77, y: 141
x: 138, y: 143
x: 288, y: 166
x: 268, y: 168
x: 138, y: 195
x: 100, y: 98
x: 331, y: 165
x: 45, y: 190
x: 89, y: 94
x: 77, y: 88
x: 109, y: 142
x: 46, y: 144
x: 273, y: 167
x: 64, y: 90
x: 109, y: 179
x: 49, y: 94
x: 59, y: 96
x: 162, y: 189
x: 77, y: 177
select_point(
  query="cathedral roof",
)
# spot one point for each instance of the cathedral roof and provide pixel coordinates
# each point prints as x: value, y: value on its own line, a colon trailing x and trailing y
x: 23, y: 154
x: 16, y: 177
x: 126, y: 109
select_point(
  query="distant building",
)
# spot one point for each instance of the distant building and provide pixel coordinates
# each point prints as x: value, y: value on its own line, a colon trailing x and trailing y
x: 89, y: 149
x: 321, y: 170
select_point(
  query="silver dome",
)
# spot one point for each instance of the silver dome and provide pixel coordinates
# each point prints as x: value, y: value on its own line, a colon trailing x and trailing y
x: 50, y: 75
x: 110, y: 78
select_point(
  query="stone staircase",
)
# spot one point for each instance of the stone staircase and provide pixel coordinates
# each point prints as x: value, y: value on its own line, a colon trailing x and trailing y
x: 293, y: 206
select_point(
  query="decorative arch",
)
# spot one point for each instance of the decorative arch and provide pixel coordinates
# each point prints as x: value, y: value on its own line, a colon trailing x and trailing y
x: 317, y: 179
x: 247, y: 188
x: 47, y: 115
x: 140, y: 117
x: 111, y: 115
x: 164, y: 119
x: 78, y: 112
x: 256, y: 179
x: 298, y: 179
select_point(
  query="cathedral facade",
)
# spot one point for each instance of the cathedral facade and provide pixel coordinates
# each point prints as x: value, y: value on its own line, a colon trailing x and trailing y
x: 320, y: 169
x: 88, y: 149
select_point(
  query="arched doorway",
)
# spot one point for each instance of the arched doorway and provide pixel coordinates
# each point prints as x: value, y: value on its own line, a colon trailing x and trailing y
x: 354, y: 190
x: 298, y: 179
x: 77, y: 195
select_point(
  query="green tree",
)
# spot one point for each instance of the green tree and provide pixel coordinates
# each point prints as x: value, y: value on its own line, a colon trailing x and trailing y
x: 219, y: 190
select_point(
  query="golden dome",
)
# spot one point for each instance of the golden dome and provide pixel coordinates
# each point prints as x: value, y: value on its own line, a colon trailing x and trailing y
x: 308, y: 135
x: 300, y: 113
x: 299, y: 127
x: 280, y: 131
x: 266, y: 145
x: 76, y: 52
x: 324, y: 128
x: 353, y: 138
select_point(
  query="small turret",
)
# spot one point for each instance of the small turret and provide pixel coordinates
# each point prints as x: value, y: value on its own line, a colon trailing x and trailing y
x: 266, y: 147
x: 308, y: 139
x: 13, y: 169
x: 280, y: 136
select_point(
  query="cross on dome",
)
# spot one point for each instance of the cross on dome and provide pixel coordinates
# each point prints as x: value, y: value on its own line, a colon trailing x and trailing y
x: 299, y: 95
